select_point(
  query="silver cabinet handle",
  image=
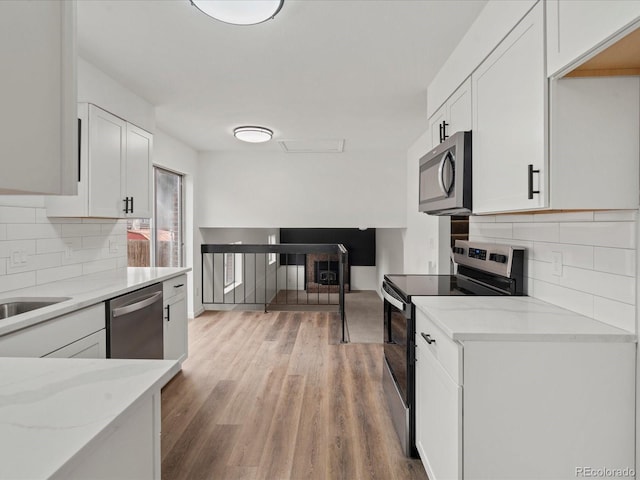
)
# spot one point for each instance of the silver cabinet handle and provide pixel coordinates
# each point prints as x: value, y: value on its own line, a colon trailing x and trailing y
x: 428, y: 338
x: 138, y: 305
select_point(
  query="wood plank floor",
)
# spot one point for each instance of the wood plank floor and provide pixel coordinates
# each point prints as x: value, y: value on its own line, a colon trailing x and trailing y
x: 275, y: 396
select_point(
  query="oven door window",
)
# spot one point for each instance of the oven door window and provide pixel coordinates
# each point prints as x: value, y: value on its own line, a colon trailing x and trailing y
x: 397, y: 329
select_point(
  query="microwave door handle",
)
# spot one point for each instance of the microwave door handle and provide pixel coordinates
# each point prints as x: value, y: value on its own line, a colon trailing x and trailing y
x: 441, y: 176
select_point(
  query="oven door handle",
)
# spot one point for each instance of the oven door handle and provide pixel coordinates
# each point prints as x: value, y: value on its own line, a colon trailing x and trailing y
x: 393, y: 301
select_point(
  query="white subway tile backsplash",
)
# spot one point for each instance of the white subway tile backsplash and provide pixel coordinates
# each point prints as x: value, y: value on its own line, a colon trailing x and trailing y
x: 19, y: 280
x: 55, y: 248
x: 540, y: 232
x: 616, y: 216
x: 41, y: 216
x: 493, y: 230
x: 35, y: 262
x: 80, y: 230
x: 602, y: 234
x: 517, y: 218
x: 59, y: 273
x: 568, y: 298
x: 49, y: 245
x: 17, y: 215
x: 572, y: 255
x: 31, y: 231
x: 621, y: 261
x: 563, y: 217
x: 598, y: 254
x: 7, y: 247
x: 482, y: 218
x: 621, y: 315
x: 99, y: 266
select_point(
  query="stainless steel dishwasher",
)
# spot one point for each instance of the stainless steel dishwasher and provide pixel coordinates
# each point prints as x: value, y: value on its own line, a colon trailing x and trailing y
x: 135, y: 323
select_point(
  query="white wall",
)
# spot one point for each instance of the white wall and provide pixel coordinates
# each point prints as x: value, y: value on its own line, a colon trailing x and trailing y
x: 56, y: 248
x: 94, y: 86
x: 175, y: 155
x: 301, y: 190
x: 389, y: 253
x: 598, y: 251
x: 426, y: 238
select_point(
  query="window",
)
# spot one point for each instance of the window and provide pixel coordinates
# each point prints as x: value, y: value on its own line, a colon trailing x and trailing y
x: 168, y: 228
x: 272, y: 241
x: 232, y: 270
x: 165, y: 232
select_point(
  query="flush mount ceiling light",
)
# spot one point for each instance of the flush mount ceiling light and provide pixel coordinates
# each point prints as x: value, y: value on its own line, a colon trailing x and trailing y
x: 253, y: 134
x: 239, y: 12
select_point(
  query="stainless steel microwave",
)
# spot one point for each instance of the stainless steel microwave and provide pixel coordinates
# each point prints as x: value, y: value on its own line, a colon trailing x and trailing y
x: 445, y: 177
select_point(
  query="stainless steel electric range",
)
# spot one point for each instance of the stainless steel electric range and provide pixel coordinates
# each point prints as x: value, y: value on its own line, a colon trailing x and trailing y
x: 483, y: 269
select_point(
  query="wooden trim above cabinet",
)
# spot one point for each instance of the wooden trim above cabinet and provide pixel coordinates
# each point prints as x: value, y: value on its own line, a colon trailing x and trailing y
x: 620, y: 59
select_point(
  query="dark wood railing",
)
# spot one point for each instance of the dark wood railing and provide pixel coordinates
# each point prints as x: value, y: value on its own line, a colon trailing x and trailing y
x: 254, y: 274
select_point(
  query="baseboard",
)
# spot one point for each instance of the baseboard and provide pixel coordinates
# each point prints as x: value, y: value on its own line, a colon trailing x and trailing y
x: 197, y: 313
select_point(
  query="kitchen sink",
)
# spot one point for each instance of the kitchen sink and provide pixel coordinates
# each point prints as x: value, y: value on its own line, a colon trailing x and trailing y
x: 16, y: 306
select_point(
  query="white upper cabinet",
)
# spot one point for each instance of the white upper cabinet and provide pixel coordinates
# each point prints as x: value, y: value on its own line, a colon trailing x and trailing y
x: 38, y: 125
x: 137, y: 181
x: 576, y: 28
x: 509, y: 122
x: 454, y: 116
x: 115, y: 169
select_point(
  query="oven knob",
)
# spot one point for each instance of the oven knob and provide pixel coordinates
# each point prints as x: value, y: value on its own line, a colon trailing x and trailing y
x: 496, y: 257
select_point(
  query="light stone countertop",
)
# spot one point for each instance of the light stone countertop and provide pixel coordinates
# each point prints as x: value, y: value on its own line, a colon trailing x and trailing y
x: 83, y: 291
x: 54, y: 410
x: 514, y: 319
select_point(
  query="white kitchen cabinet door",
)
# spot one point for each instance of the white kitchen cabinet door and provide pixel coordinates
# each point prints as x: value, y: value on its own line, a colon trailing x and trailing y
x: 93, y: 346
x: 435, y: 126
x: 138, y: 171
x: 107, y: 160
x: 175, y: 332
x: 459, y: 109
x: 115, y: 169
x: 509, y: 122
x: 438, y: 416
x: 576, y: 28
x: 454, y: 116
x: 38, y: 125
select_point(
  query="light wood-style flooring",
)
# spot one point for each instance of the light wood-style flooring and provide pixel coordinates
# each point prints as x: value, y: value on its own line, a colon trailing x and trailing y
x: 275, y: 396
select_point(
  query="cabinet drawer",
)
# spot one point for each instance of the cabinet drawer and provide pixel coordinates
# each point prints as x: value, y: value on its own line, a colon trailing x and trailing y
x: 174, y: 287
x: 46, y: 337
x: 445, y: 350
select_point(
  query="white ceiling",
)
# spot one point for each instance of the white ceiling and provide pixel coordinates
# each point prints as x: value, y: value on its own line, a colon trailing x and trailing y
x: 322, y: 69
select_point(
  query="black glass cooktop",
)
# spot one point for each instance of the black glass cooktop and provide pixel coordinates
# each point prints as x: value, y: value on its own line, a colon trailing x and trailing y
x: 443, y: 285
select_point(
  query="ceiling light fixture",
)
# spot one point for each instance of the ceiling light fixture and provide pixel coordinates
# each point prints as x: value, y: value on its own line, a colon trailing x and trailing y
x: 239, y: 12
x: 253, y: 134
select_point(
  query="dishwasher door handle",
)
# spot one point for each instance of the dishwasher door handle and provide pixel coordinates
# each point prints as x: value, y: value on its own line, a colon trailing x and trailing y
x: 151, y: 299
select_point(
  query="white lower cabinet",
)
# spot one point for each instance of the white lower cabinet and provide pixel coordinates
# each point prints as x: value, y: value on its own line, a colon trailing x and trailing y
x: 92, y: 346
x: 80, y: 333
x: 176, y: 342
x: 131, y: 450
x: 522, y: 409
x: 439, y: 416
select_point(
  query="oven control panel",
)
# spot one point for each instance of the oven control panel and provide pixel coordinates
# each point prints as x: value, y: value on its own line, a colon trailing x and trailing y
x: 488, y: 257
x: 477, y: 253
